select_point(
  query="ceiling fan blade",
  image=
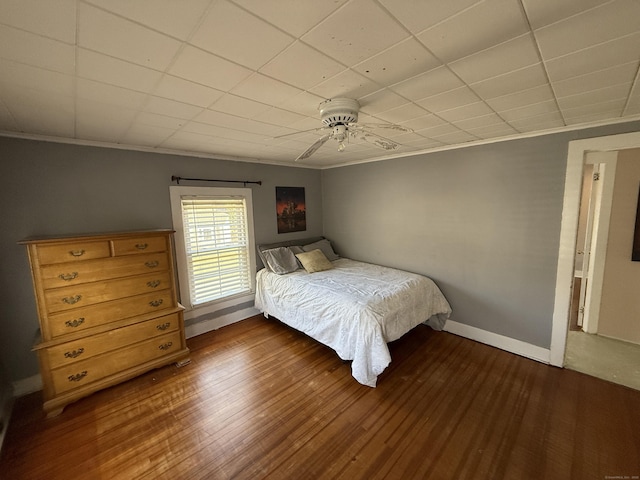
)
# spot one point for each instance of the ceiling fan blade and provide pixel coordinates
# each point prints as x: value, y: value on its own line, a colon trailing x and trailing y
x: 311, y: 150
x: 301, y: 131
x: 387, y: 126
x: 379, y: 141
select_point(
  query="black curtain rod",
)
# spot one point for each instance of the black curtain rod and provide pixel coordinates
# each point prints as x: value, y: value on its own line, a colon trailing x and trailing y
x: 177, y: 180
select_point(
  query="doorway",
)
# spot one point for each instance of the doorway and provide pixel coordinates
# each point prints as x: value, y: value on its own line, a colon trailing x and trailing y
x: 568, y: 236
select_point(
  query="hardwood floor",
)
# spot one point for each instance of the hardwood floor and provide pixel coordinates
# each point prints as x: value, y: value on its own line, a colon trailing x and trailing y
x: 260, y: 400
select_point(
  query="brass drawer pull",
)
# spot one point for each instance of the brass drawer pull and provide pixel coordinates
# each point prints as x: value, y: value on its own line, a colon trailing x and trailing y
x: 78, y: 376
x: 153, y: 264
x: 163, y: 326
x: 74, y: 323
x: 67, y: 277
x: 74, y: 353
x: 165, y: 346
x: 76, y: 253
x: 153, y: 283
x: 155, y: 303
x: 72, y: 300
x: 141, y: 246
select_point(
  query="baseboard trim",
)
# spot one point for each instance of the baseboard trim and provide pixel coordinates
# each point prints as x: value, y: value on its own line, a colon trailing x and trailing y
x: 219, y: 322
x: 511, y: 345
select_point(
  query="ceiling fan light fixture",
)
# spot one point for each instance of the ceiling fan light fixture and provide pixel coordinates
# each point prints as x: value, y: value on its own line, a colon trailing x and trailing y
x: 339, y: 111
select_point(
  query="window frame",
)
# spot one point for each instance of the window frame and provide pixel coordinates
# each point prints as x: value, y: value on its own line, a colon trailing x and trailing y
x: 176, y: 192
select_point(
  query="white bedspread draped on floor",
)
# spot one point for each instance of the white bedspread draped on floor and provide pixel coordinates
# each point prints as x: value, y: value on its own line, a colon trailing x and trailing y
x: 355, y: 308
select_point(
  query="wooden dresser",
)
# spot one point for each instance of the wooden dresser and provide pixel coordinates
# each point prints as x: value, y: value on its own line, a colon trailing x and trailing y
x: 108, y: 311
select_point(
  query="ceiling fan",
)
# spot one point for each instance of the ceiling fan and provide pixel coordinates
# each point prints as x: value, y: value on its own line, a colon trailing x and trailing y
x: 340, y: 119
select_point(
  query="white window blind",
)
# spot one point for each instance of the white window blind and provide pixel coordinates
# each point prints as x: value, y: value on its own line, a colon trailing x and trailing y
x: 217, y: 246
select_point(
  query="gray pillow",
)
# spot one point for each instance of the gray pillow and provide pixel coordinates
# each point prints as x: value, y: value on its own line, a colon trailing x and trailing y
x: 280, y: 260
x: 324, y: 246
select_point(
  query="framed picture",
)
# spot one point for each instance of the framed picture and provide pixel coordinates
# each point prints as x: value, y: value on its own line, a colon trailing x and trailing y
x: 635, y: 254
x: 291, y: 209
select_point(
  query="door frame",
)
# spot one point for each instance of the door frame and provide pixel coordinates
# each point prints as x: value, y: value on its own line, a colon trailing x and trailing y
x: 569, y: 231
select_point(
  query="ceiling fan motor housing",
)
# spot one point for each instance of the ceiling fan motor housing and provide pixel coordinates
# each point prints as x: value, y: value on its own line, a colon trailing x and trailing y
x: 339, y: 111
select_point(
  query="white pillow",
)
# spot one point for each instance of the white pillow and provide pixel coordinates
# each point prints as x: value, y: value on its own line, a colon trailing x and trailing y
x: 280, y: 260
x: 325, y: 246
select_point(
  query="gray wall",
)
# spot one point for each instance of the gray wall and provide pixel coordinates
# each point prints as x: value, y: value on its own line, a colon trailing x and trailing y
x: 58, y: 189
x: 483, y: 222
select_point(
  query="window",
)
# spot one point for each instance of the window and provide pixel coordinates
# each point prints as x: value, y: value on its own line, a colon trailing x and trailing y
x: 214, y: 243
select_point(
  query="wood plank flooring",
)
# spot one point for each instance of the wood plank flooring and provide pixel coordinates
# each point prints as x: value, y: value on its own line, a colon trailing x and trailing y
x: 260, y: 400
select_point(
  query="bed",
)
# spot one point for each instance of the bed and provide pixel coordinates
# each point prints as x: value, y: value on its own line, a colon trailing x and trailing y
x: 354, y: 307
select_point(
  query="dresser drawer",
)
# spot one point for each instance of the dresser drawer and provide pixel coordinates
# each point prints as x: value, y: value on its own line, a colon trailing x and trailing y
x: 81, y: 319
x: 65, y: 274
x: 81, y: 373
x: 60, y: 299
x: 73, y: 252
x: 136, y: 246
x: 88, y: 347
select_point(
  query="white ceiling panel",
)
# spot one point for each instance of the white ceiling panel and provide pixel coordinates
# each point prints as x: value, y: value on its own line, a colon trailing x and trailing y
x: 482, y: 26
x: 177, y: 19
x: 237, y: 35
x: 228, y: 78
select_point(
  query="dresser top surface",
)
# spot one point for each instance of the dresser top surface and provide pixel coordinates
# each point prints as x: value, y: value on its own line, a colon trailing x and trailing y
x: 94, y: 236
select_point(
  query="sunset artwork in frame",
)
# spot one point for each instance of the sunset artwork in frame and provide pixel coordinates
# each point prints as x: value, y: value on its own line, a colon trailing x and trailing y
x: 291, y: 209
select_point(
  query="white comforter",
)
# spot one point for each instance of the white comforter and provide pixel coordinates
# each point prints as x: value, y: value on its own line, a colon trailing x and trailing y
x: 354, y: 308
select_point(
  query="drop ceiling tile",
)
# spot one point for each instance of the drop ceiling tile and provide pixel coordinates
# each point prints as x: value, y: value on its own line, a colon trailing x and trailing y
x: 42, y: 112
x: 511, y: 55
x: 403, y: 60
x: 157, y: 120
x: 472, y: 110
x: 278, y: 116
x: 418, y: 16
x: 482, y: 26
x: 613, y: 92
x: 287, y: 66
x: 25, y: 47
x: 512, y: 82
x: 177, y: 19
x: 430, y: 83
x: 109, y: 94
x: 239, y: 106
x: 101, y: 68
x: 620, y: 74
x: 521, y: 98
x: 346, y: 84
x: 163, y: 106
x: 598, y: 25
x: 353, y: 34
x: 7, y: 122
x: 146, y: 135
x: 292, y: 16
x: 448, y: 100
x: 544, y: 121
x: 208, y: 70
x: 544, y: 12
x: 533, y: 110
x: 263, y: 89
x: 380, y: 101
x: 182, y: 90
x: 456, y: 137
x: 606, y: 106
x: 421, y: 123
x: 106, y: 33
x: 234, y: 34
x: 493, y: 131
x: 55, y: 20
x: 25, y: 76
x: 468, y: 124
x: 438, y: 130
x: 406, y: 112
x: 214, y: 119
x: 304, y: 103
x: 616, y: 52
x: 100, y: 122
x: 605, y: 112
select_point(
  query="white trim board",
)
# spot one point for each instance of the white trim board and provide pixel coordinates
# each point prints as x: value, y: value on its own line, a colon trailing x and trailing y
x: 508, y: 344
